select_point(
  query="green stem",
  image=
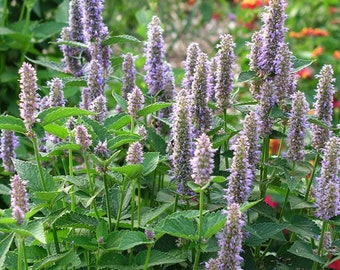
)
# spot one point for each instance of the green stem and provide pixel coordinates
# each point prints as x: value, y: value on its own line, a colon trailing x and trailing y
x: 37, y: 157
x: 4, y: 13
x: 70, y: 170
x: 132, y: 125
x: 20, y: 253
x: 264, y: 169
x: 24, y: 253
x: 284, y: 205
x: 55, y: 239
x: 310, y: 181
x: 133, y: 204
x: 120, y: 204
x: 147, y: 258
x: 322, y: 236
x: 176, y: 203
x: 139, y: 202
x: 200, y: 230
x: 107, y: 199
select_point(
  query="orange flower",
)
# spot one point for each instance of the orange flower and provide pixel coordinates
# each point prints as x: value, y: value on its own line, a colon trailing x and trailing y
x: 274, y: 145
x: 295, y: 34
x: 306, y: 73
x: 318, y: 51
x: 320, y: 33
x: 191, y: 2
x: 307, y: 31
x: 336, y: 54
x: 251, y: 4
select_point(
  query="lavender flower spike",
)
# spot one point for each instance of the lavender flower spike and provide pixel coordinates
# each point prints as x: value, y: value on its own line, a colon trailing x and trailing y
x: 19, y: 200
x: 95, y: 79
x: 56, y: 97
x: 98, y: 106
x: 224, y: 74
x: 29, y: 98
x: 201, y: 114
x: 181, y: 143
x: 134, y: 154
x: 129, y: 74
x: 9, y: 143
x: 327, y: 190
x: 190, y: 63
x: 135, y: 102
x: 297, y: 125
x: 323, y: 106
x: 203, y: 161
x: 155, y: 57
x: 241, y: 177
x: 230, y: 241
x: 82, y: 137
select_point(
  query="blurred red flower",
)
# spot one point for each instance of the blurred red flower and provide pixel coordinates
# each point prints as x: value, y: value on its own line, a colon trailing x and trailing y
x: 336, y: 54
x: 252, y: 4
x: 268, y: 200
x: 335, y: 265
x: 306, y: 73
x: 318, y: 51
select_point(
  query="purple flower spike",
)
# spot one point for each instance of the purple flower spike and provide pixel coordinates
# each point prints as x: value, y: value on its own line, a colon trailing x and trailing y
x: 82, y: 137
x: 241, y: 177
x: 129, y: 74
x: 224, y: 74
x: 98, y: 106
x: 29, y: 98
x: 56, y: 97
x: 134, y: 154
x: 230, y: 240
x: 135, y: 102
x: 85, y: 101
x: 19, y: 200
x: 323, y: 106
x: 201, y: 114
x: 327, y: 190
x: 202, y: 161
x: 9, y: 143
x: 297, y: 125
x: 95, y: 79
x: 255, y: 50
x: 181, y: 143
x: 155, y: 57
x: 212, y: 78
x: 190, y: 63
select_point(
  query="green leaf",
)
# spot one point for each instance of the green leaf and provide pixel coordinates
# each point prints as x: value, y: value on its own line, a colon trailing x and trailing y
x: 56, y: 130
x: 132, y: 171
x: 157, y: 258
x: 53, y: 114
x: 304, y: 250
x: 120, y: 39
x: 47, y: 29
x: 60, y: 148
x: 177, y: 225
x: 47, y: 196
x: 118, y: 121
x: 69, y: 259
x: 153, y: 108
x: 4, y: 190
x: 124, y: 240
x: 213, y: 223
x: 57, y: 66
x: 315, y: 121
x: 246, y: 76
x: 75, y: 220
x: 303, y: 226
x: 244, y: 207
x: 154, y: 213
x: 34, y: 229
x: 29, y: 172
x: 299, y: 64
x: 5, y: 244
x: 9, y: 122
x: 121, y: 140
x: 113, y: 260
x: 71, y: 44
x: 82, y: 241
x: 298, y: 203
x: 120, y: 101
x: 156, y: 141
x: 6, y: 31
x: 261, y: 232
x: 150, y: 162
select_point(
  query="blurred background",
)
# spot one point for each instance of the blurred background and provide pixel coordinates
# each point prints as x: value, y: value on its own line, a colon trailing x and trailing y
x: 29, y: 28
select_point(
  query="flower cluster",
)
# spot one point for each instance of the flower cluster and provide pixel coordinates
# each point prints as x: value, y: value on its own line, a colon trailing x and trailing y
x: 9, y: 143
x: 135, y: 102
x: 134, y: 154
x: 19, y: 199
x: 82, y: 137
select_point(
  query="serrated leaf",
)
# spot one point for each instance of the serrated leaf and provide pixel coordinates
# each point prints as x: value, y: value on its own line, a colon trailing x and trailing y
x: 121, y: 140
x: 246, y: 76
x: 82, y: 241
x: 46, y: 196
x: 61, y: 147
x: 298, y: 203
x: 315, y: 121
x: 153, y: 108
x: 71, y: 44
x: 57, y: 66
x: 118, y: 121
x: 113, y: 260
x: 299, y: 64
x: 244, y: 207
x: 120, y: 39
x: 261, y: 232
x: 47, y: 29
x: 56, y: 130
x: 124, y: 240
x: 178, y: 226
x: 304, y: 250
x: 75, y: 220
x: 213, y: 223
x: 303, y: 226
x: 120, y: 101
x: 34, y: 229
x: 9, y: 122
x: 56, y: 113
x: 156, y: 141
x: 69, y: 258
x: 150, y: 162
x: 157, y: 258
x: 29, y: 172
x: 154, y: 213
x: 5, y: 244
x: 132, y: 171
